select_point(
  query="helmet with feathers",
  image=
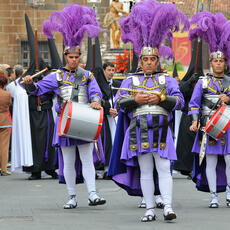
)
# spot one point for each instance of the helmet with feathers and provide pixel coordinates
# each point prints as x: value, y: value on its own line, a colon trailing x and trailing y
x: 213, y: 29
x: 149, y: 23
x: 72, y: 22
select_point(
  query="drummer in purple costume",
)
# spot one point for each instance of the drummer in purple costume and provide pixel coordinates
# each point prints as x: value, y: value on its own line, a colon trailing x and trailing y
x: 65, y: 83
x: 148, y: 137
x: 214, y: 173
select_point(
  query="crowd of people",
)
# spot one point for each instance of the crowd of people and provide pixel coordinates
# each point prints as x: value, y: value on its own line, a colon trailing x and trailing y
x: 137, y: 134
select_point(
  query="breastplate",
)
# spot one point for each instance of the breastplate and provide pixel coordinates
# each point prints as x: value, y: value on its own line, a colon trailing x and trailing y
x: 66, y: 92
x: 205, y: 109
x: 149, y: 109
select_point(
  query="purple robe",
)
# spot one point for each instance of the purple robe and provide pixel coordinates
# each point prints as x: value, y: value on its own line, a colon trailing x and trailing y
x: 125, y: 171
x: 195, y: 105
x: 214, y: 87
x: 49, y: 83
x: 169, y: 152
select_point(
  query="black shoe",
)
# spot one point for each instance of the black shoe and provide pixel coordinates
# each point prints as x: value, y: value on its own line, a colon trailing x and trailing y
x: 35, y: 176
x: 52, y: 173
x: 105, y: 177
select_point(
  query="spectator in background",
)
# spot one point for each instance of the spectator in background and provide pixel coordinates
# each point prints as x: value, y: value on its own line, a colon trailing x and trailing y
x: 4, y: 66
x: 18, y: 70
x: 5, y: 123
x: 11, y: 73
x: 106, y: 82
x: 21, y: 147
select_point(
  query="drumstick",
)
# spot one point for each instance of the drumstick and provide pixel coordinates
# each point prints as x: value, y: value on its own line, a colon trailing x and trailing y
x: 213, y: 107
x: 36, y: 74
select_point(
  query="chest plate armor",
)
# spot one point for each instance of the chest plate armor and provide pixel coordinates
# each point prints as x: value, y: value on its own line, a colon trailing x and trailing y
x: 74, y: 92
x: 149, y: 109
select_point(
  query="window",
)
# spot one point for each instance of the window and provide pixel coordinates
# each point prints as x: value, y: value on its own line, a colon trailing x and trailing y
x: 25, y: 53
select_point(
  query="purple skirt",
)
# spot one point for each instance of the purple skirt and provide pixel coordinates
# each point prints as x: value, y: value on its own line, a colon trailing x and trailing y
x: 217, y: 149
x: 129, y: 157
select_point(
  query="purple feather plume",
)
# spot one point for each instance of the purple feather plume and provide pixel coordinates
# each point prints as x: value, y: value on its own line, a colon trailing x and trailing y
x: 72, y: 22
x: 166, y: 51
x: 225, y: 41
x: 208, y: 27
x: 150, y: 22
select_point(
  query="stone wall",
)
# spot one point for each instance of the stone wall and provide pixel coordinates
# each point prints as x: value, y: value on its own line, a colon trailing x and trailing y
x: 13, y: 27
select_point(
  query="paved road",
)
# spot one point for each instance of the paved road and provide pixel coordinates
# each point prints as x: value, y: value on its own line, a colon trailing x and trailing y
x: 38, y: 205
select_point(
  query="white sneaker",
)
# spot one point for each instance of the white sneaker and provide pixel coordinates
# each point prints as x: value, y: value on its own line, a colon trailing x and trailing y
x: 72, y: 203
x: 168, y: 213
x: 95, y: 200
x: 214, y: 200
x: 149, y: 215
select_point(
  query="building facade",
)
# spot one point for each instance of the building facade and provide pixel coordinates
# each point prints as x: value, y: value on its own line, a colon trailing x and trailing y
x: 13, y: 35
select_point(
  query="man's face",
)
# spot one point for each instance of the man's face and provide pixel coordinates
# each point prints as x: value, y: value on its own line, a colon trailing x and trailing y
x: 109, y: 72
x: 72, y: 61
x: 12, y: 76
x: 149, y: 64
x: 218, y: 65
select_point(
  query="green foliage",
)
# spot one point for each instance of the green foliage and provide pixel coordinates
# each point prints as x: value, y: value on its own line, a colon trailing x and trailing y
x: 179, y: 67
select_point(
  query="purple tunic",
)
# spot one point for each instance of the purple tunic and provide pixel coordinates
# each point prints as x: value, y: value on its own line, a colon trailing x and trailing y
x: 49, y: 83
x: 124, y: 168
x: 146, y: 84
x: 214, y: 87
x: 199, y: 172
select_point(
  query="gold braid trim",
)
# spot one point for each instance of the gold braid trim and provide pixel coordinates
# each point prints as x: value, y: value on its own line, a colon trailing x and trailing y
x: 67, y: 79
x: 194, y: 108
x: 84, y: 78
x: 91, y: 76
x: 179, y: 100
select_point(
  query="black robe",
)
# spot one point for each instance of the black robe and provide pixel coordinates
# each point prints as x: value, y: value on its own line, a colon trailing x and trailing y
x: 42, y: 127
x: 107, y: 94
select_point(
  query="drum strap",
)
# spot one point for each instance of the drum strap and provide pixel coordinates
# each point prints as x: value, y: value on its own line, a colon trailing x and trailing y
x: 164, y: 132
x: 133, y: 135
x: 144, y: 131
x: 155, y: 131
x: 77, y: 83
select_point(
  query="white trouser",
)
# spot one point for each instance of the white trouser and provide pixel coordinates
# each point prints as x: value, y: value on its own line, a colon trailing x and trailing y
x: 88, y: 170
x: 147, y: 183
x: 211, y: 163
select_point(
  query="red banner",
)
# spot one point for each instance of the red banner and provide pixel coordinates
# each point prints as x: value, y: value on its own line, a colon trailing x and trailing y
x: 182, y: 50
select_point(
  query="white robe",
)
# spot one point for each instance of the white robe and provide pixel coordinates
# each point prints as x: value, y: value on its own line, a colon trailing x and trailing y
x: 178, y: 115
x: 112, y: 124
x: 21, y: 146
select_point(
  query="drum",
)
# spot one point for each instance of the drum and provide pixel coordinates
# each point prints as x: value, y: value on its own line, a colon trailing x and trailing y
x: 80, y: 121
x: 219, y: 122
